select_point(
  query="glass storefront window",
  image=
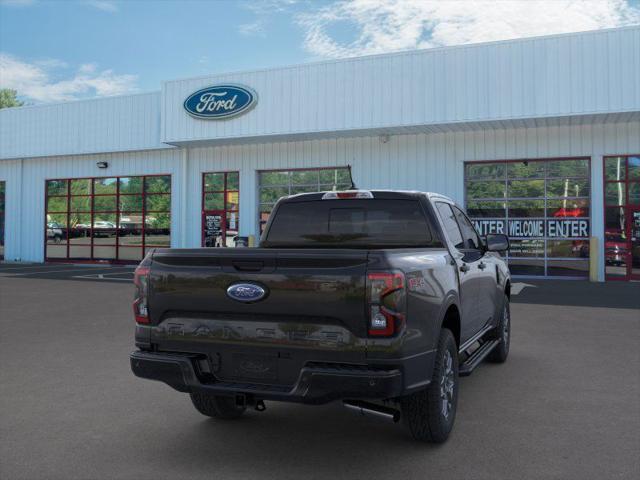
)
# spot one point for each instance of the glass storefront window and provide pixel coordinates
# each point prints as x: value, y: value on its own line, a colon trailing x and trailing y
x: 107, y: 219
x: 622, y: 217
x: 525, y: 188
x: 130, y: 185
x: 102, y: 186
x: 273, y: 184
x: 615, y: 168
x: 220, y: 209
x: 568, y: 188
x: 486, y: 189
x: 634, y: 193
x: 526, y: 169
x: 486, y: 171
x: 542, y: 205
x: 57, y: 187
x: 486, y: 209
x: 568, y: 168
x: 614, y: 193
x: 633, y: 168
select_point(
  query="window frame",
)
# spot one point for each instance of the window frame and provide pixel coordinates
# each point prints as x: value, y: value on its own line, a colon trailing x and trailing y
x: 505, y: 178
x: 92, y: 212
x: 627, y: 206
x: 225, y: 210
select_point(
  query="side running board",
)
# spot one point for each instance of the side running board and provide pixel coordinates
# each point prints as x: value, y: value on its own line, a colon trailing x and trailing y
x: 477, y: 357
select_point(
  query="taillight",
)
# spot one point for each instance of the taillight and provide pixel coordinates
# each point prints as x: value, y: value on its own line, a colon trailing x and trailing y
x: 140, y: 306
x: 386, y: 302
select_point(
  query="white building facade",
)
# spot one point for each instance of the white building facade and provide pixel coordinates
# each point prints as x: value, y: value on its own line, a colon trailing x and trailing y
x: 538, y: 138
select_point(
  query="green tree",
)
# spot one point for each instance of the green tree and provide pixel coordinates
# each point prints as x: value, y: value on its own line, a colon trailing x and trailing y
x: 8, y: 98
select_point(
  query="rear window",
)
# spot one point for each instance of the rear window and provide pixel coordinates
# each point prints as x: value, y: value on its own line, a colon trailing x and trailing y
x: 368, y: 223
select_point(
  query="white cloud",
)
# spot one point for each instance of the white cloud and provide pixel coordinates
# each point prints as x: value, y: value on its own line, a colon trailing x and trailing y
x: 36, y: 81
x: 51, y: 63
x: 389, y: 25
x: 104, y: 5
x: 269, y: 6
x: 252, y: 29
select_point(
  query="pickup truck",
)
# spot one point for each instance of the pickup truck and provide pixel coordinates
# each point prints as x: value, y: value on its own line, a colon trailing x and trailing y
x: 378, y: 299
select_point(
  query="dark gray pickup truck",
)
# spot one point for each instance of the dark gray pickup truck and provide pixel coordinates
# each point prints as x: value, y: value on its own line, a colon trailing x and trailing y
x: 379, y: 299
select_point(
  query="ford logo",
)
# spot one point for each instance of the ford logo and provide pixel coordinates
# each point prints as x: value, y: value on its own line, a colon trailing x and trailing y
x: 220, y: 101
x: 246, y: 292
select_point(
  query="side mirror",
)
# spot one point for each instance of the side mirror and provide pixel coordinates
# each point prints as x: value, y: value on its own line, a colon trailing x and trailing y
x: 497, y: 242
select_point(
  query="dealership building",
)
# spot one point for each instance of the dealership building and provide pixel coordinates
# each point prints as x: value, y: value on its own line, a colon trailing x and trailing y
x: 538, y: 138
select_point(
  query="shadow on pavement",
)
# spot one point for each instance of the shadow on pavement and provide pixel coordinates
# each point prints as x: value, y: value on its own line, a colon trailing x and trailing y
x: 580, y: 293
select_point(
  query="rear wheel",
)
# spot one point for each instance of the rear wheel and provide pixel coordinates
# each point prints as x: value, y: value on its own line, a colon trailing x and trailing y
x: 430, y: 413
x: 503, y: 333
x: 217, y: 406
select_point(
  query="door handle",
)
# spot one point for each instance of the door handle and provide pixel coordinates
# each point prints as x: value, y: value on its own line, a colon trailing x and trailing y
x: 464, y: 268
x: 482, y: 265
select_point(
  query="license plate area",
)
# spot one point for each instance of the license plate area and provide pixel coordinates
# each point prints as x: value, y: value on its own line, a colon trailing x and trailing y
x: 255, y: 367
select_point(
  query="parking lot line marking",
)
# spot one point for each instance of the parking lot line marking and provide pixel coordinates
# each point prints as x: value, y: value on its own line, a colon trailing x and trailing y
x: 23, y: 267
x: 102, y: 277
x: 44, y: 272
x: 517, y: 287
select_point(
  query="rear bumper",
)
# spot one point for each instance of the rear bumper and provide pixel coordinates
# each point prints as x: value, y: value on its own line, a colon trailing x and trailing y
x: 317, y: 383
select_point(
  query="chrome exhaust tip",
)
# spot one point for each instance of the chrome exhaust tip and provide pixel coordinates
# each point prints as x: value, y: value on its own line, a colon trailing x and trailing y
x: 367, y: 409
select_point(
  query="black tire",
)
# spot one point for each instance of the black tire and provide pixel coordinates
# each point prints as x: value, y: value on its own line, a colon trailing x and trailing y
x: 503, y: 333
x: 423, y: 412
x: 217, y: 406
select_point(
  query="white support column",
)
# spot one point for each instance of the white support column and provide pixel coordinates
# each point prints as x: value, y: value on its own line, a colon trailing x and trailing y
x: 184, y: 198
x: 597, y: 213
x: 249, y: 203
x: 19, y: 254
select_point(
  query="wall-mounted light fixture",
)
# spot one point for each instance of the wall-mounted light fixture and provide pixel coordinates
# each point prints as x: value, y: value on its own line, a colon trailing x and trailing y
x: 102, y: 164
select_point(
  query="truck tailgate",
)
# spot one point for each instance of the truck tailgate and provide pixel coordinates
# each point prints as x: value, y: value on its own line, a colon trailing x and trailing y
x: 314, y: 309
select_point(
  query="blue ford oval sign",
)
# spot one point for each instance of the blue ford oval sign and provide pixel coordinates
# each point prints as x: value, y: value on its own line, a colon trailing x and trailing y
x: 220, y: 101
x: 246, y: 292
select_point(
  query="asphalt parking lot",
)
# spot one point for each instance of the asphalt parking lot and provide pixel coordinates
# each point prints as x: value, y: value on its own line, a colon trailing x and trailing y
x: 565, y: 405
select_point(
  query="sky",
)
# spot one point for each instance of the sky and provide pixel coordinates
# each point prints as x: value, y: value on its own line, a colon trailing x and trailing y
x: 59, y: 50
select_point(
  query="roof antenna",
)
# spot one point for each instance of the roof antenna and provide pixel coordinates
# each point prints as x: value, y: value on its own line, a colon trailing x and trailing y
x: 353, y: 185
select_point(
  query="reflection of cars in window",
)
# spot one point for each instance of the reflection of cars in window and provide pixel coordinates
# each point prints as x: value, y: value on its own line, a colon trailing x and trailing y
x: 130, y: 225
x: 570, y: 212
x: 54, y: 232
x: 615, y: 248
x: 102, y: 228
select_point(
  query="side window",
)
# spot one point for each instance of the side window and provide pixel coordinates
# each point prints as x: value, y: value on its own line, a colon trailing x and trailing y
x: 450, y: 224
x: 469, y: 234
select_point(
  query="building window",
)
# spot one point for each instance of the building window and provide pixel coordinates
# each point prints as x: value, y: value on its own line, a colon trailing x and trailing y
x: 273, y: 184
x: 107, y: 219
x: 220, y: 209
x: 2, y: 211
x: 542, y: 205
x: 622, y: 217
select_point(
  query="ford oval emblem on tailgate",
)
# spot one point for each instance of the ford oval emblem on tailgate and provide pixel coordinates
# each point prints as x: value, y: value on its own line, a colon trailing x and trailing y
x: 246, y: 292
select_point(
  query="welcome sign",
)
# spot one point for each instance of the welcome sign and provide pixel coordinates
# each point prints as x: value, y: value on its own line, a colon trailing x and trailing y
x: 219, y: 102
x: 533, y: 228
